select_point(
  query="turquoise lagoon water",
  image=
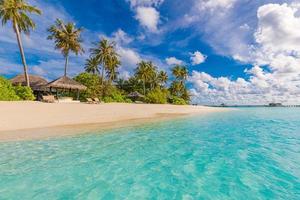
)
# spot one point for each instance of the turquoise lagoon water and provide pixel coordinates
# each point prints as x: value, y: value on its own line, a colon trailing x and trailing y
x: 242, y: 154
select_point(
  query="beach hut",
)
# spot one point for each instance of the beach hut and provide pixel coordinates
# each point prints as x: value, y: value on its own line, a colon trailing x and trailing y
x: 37, y: 83
x: 65, y: 83
x: 135, y: 96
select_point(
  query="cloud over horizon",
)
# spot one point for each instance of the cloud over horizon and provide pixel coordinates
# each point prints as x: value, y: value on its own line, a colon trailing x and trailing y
x: 275, y: 76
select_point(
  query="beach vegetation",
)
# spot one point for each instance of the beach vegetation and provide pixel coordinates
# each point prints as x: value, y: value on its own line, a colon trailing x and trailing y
x: 92, y: 82
x: 8, y: 92
x: 95, y: 89
x: 157, y: 96
x: 92, y: 65
x: 132, y: 84
x: 16, y: 11
x: 178, y: 88
x: 24, y: 93
x: 105, y: 54
x: 177, y: 100
x: 151, y: 82
x: 67, y: 38
x: 146, y: 73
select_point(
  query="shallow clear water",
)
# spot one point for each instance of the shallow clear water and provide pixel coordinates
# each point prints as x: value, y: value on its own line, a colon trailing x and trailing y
x: 241, y: 154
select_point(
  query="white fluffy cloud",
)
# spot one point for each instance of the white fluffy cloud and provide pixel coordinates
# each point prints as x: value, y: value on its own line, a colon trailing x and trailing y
x: 146, y: 13
x: 215, y: 4
x: 121, y: 37
x: 261, y: 88
x: 279, y: 27
x: 277, y: 41
x: 173, y: 61
x: 197, y: 58
x: 129, y: 57
x: 148, y: 17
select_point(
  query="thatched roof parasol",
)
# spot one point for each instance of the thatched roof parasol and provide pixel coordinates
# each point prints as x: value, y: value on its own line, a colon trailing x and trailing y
x: 65, y: 82
x: 36, y: 82
x: 135, y: 95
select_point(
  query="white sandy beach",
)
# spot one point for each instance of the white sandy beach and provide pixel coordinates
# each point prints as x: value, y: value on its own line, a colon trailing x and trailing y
x: 17, y: 117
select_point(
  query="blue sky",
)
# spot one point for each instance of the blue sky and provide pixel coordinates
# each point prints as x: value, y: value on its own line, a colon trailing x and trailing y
x: 233, y: 49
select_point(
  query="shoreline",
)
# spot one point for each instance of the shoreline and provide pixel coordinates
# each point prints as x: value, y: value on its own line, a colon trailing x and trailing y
x: 35, y: 120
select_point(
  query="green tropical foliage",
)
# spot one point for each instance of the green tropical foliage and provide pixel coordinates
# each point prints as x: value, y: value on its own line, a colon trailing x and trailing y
x: 92, y: 82
x: 67, y: 39
x: 116, y: 95
x: 7, y: 92
x: 104, y: 51
x: 112, y: 68
x: 163, y: 78
x: 145, y: 72
x: 24, y: 93
x: 92, y: 65
x: 180, y: 72
x: 157, y: 96
x: 16, y: 11
x: 177, y: 100
x: 94, y: 89
x: 178, y: 88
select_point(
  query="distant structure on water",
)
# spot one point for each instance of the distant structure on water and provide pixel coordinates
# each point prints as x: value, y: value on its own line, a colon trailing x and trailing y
x: 275, y: 105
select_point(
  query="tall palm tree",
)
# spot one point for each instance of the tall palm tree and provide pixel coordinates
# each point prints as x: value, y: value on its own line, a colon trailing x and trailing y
x: 180, y: 72
x: 153, y: 74
x: 92, y: 65
x: 67, y: 39
x: 163, y: 77
x: 144, y: 73
x: 184, y: 73
x: 177, y: 88
x: 112, y: 68
x: 104, y: 52
x: 16, y: 11
x: 176, y: 71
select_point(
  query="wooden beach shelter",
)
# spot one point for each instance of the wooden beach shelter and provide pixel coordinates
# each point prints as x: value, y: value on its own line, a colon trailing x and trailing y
x: 65, y: 83
x: 37, y: 83
x: 135, y: 96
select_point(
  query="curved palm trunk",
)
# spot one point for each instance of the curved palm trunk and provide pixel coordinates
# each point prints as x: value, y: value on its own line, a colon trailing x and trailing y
x: 17, y: 31
x: 66, y: 64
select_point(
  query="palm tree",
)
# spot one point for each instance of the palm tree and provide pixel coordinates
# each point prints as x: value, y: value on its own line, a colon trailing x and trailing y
x: 177, y: 88
x: 144, y: 73
x: 184, y: 73
x: 176, y: 71
x: 67, y: 39
x: 104, y: 52
x: 180, y: 72
x: 163, y: 77
x: 153, y: 74
x: 16, y: 11
x: 112, y: 67
x: 92, y: 65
